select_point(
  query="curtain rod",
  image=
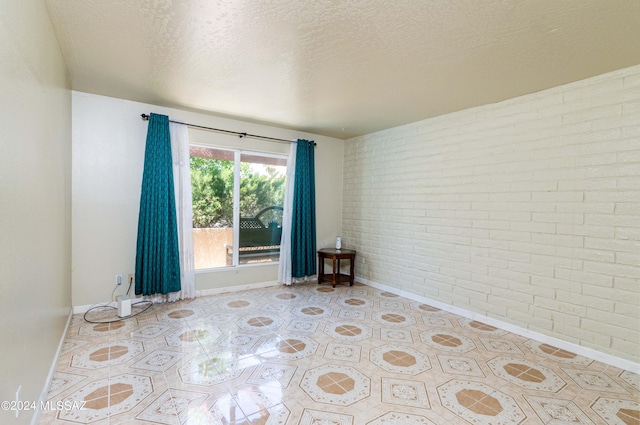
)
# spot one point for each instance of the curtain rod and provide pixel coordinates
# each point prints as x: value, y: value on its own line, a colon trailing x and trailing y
x: 145, y: 117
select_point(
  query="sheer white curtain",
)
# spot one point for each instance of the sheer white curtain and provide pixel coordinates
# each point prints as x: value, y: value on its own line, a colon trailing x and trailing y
x: 284, y: 267
x: 184, y: 211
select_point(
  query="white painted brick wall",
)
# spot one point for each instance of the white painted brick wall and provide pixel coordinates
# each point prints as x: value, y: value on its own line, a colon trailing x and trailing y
x: 527, y: 211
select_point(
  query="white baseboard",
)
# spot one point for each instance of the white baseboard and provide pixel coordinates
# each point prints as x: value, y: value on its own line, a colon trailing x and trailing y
x: 235, y: 288
x: 546, y: 339
x: 47, y: 383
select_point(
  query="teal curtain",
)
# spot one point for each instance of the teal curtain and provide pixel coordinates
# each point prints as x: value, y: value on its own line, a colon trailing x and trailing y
x: 303, y: 221
x: 157, y: 253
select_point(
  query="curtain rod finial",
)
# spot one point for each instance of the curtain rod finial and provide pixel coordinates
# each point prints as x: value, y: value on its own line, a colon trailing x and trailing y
x: 144, y: 117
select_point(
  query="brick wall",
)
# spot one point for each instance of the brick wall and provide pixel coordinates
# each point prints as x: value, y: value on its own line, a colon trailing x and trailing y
x: 527, y: 211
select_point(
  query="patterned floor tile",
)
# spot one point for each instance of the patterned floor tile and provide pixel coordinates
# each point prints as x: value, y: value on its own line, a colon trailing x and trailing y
x: 399, y: 359
x: 286, y: 296
x: 594, y: 381
x: 240, y: 341
x: 631, y: 379
x: 223, y: 411
x: 239, y: 303
x: 256, y: 401
x: 172, y: 407
x: 61, y: 382
x: 275, y: 308
x: 219, y: 318
x: 352, y: 314
x: 193, y: 337
x: 348, y: 331
x: 152, y: 330
x: 323, y: 290
x: 270, y: 373
x: 303, y: 326
x: 274, y: 415
x: 260, y: 322
x: 209, y: 370
x: 460, y: 365
x: 396, y: 418
x: 70, y: 345
x: 158, y: 360
x: 345, y: 352
x: 354, y: 302
x: 393, y: 318
x: 400, y: 335
x: 358, y: 290
x: 556, y: 354
x: 447, y: 340
x: 287, y: 346
x: 479, y: 327
x: 427, y: 309
x: 437, y: 322
x: 526, y: 374
x: 180, y: 314
x: 617, y: 412
x: 106, y: 329
x: 312, y: 311
x: 391, y: 304
x: 310, y: 354
x: 319, y: 417
x: 336, y: 384
x: 405, y: 392
x: 107, y: 397
x: 554, y: 411
x: 107, y: 354
x: 478, y: 403
x: 500, y: 345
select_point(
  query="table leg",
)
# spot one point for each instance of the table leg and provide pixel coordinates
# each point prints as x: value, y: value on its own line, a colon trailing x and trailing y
x: 320, y: 268
x: 351, y: 270
x: 334, y: 273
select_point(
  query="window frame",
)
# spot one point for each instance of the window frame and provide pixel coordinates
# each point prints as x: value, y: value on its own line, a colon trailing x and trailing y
x: 237, y: 155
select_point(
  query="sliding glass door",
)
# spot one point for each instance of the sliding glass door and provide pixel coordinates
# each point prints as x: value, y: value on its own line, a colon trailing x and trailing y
x: 237, y: 206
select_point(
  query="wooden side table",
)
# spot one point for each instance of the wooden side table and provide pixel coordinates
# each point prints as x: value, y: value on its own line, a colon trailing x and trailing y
x: 336, y: 255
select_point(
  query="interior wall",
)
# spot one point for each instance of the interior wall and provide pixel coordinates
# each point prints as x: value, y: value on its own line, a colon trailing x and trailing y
x: 526, y: 211
x: 35, y: 200
x: 108, y: 152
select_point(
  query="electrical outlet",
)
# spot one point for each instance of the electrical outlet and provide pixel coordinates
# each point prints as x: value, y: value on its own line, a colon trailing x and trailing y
x: 18, y: 397
x: 131, y: 278
x: 118, y: 279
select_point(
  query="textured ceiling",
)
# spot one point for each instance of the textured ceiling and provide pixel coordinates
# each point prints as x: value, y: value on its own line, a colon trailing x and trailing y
x: 339, y: 68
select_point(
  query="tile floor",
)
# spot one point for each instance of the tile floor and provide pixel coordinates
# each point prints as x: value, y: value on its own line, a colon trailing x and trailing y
x: 314, y: 355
